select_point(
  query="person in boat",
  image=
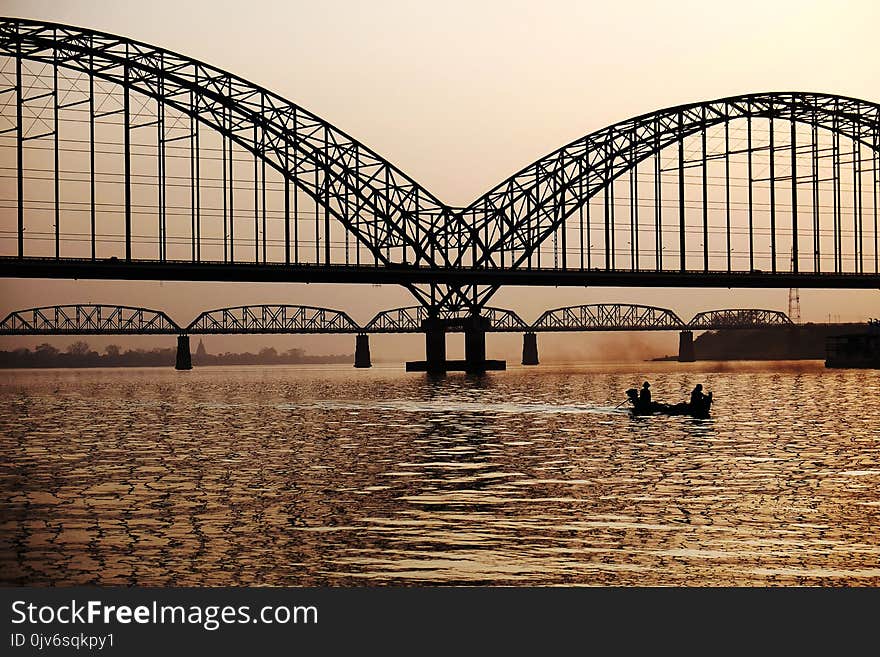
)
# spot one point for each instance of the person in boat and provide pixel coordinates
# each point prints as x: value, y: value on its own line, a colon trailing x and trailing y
x: 700, y: 402
x: 698, y: 406
x: 641, y: 400
x: 645, y: 395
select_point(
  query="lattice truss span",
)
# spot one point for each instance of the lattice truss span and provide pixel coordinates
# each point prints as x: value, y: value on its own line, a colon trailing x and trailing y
x: 608, y: 317
x: 87, y: 319
x: 279, y: 319
x: 118, y: 149
x: 409, y: 320
x: 90, y: 319
x: 739, y: 318
x: 630, y: 317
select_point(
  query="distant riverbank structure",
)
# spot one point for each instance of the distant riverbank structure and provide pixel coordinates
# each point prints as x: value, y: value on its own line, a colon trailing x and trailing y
x: 855, y: 349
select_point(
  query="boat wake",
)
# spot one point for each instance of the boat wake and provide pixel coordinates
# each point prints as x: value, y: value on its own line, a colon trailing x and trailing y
x: 449, y: 406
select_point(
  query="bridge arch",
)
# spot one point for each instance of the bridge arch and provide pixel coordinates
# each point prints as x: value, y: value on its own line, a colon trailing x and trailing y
x: 88, y: 319
x: 381, y: 207
x: 608, y: 317
x: 546, y: 201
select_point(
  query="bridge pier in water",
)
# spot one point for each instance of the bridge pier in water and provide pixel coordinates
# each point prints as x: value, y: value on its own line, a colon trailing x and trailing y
x: 184, y: 359
x: 362, y: 351
x: 474, y: 362
x: 530, y: 349
x: 475, y: 345
x: 686, y: 352
x: 435, y: 347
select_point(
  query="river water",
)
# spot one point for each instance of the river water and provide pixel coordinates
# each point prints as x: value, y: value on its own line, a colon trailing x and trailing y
x: 330, y: 476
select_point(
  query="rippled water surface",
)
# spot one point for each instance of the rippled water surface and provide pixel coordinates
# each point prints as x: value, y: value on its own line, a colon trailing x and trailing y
x: 323, y: 476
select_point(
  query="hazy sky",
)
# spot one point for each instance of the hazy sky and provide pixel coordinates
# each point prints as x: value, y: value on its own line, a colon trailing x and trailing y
x: 460, y: 95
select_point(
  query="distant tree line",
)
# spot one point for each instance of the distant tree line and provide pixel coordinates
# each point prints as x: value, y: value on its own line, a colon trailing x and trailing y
x: 266, y: 356
x: 80, y: 354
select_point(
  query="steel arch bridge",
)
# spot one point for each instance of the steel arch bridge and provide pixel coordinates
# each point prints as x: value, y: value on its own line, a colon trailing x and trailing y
x: 134, y: 162
x: 88, y: 319
x: 269, y: 319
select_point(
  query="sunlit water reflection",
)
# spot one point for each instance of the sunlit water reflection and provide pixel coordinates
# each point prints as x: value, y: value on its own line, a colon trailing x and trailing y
x: 323, y: 476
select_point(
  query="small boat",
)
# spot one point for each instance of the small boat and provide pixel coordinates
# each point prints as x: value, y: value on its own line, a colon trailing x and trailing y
x: 684, y: 408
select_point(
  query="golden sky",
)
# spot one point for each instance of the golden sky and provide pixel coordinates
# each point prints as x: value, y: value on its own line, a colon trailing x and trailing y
x: 461, y: 94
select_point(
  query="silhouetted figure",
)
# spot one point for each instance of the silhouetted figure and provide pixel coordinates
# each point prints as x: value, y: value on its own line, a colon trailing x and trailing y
x: 699, y: 402
x: 697, y: 395
x: 645, y: 395
x: 698, y: 406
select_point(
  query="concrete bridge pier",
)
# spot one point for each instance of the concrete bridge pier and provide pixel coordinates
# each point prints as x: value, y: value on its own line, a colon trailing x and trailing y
x: 475, y: 345
x: 435, y: 346
x: 184, y: 359
x: 530, y: 349
x: 362, y: 351
x: 474, y: 362
x: 686, y: 352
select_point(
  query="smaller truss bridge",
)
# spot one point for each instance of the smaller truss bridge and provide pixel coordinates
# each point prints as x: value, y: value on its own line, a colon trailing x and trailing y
x: 411, y: 320
x: 88, y: 319
x: 609, y: 317
x: 273, y: 319
x: 739, y: 318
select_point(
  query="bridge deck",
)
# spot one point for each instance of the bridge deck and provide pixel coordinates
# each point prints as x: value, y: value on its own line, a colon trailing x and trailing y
x: 74, y: 268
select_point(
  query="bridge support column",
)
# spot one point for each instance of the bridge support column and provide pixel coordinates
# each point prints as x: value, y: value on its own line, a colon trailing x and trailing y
x: 530, y: 349
x: 435, y: 346
x: 362, y: 351
x: 475, y: 345
x: 686, y: 352
x: 184, y: 359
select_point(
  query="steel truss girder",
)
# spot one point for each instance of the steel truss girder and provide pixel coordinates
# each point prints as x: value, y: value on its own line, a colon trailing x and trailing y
x: 272, y: 319
x: 409, y: 320
x: 88, y: 319
x: 608, y: 317
x: 634, y: 317
x: 737, y: 318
